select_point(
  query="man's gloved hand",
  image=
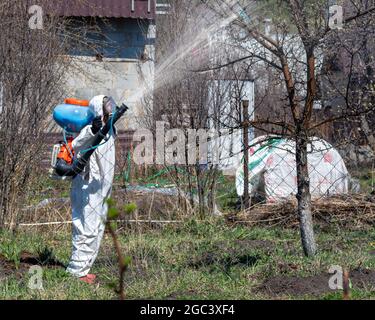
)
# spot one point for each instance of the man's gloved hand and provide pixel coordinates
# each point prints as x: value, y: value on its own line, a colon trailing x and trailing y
x: 96, y: 124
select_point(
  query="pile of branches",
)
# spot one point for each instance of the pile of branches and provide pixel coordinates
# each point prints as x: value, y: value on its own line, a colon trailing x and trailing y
x: 351, y: 211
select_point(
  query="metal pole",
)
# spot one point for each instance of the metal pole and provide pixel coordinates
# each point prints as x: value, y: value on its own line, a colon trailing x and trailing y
x: 245, y: 104
x: 132, y: 8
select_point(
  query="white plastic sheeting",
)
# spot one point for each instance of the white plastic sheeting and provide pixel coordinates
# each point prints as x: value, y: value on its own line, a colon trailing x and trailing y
x: 273, y: 174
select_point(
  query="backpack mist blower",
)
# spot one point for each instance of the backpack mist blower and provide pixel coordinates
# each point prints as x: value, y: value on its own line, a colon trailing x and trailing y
x: 73, y: 116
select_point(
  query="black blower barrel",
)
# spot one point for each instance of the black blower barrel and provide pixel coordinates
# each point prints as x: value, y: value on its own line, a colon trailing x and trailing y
x: 65, y: 170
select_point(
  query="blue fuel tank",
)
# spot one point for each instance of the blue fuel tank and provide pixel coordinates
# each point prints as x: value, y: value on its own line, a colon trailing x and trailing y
x: 72, y: 118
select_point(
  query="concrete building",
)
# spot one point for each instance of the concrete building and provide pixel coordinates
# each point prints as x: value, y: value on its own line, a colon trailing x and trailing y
x: 122, y: 61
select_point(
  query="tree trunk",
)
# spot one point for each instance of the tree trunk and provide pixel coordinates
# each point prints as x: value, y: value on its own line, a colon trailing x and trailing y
x: 304, y: 197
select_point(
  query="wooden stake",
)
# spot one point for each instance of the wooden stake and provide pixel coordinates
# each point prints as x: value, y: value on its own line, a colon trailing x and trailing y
x: 245, y: 104
x: 346, y: 285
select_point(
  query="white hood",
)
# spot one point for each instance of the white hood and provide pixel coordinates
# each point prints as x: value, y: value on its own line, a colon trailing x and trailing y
x: 96, y: 105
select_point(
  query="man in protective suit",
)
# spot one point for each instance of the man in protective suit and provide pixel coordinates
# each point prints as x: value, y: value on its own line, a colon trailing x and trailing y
x: 89, y: 191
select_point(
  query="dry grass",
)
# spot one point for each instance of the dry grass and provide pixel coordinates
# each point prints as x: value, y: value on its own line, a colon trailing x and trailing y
x: 54, y: 214
x: 353, y: 211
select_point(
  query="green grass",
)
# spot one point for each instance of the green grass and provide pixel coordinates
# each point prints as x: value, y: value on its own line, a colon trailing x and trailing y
x: 195, y: 260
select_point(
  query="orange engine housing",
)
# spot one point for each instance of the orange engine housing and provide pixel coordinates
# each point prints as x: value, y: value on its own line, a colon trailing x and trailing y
x: 66, y: 152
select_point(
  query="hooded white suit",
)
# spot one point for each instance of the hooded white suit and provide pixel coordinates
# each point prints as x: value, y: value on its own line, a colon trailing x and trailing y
x: 90, y: 189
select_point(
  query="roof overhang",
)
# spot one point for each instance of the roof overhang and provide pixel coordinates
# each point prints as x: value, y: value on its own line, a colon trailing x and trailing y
x: 137, y: 9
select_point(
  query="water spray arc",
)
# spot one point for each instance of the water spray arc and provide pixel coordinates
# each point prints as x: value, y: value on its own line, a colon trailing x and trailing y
x: 168, y: 70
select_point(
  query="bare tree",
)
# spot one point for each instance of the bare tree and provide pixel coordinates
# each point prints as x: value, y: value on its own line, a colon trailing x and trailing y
x: 33, y: 62
x: 180, y: 98
x: 293, y: 51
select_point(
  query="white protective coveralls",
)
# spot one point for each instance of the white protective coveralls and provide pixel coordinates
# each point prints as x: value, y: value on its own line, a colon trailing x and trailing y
x: 89, y: 191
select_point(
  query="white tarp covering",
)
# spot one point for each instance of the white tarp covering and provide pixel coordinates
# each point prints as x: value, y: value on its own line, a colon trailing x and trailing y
x: 272, y: 169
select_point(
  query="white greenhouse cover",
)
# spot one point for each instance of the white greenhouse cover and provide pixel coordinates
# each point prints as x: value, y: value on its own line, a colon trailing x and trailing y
x: 272, y: 169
